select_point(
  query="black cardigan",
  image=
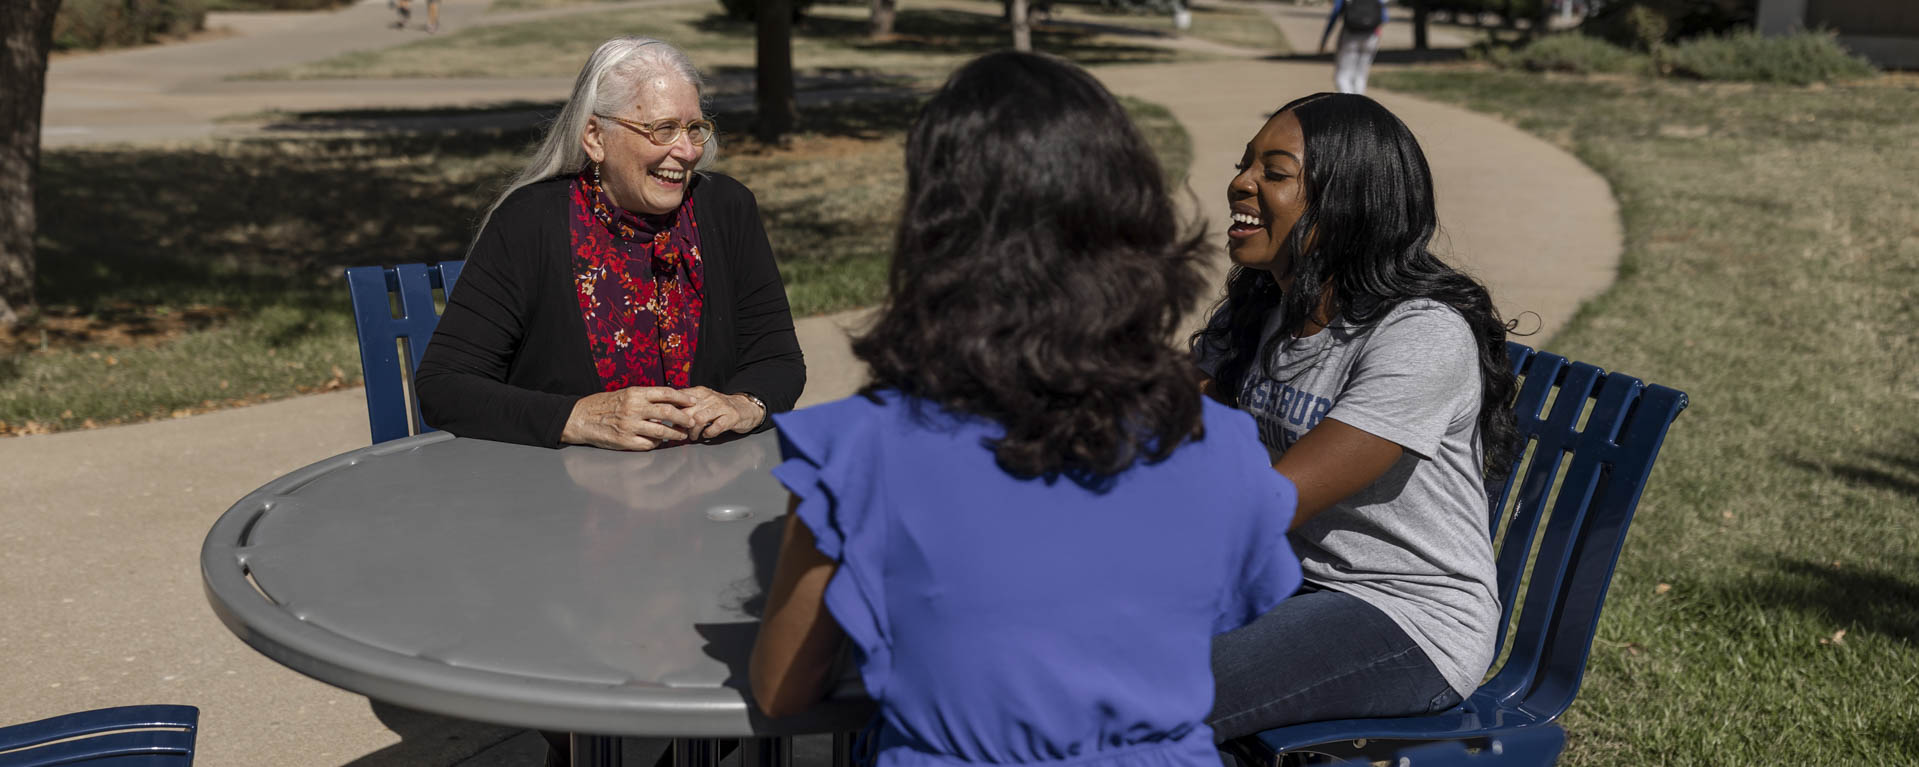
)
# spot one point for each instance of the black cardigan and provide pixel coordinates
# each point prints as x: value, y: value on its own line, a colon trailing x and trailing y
x: 509, y: 357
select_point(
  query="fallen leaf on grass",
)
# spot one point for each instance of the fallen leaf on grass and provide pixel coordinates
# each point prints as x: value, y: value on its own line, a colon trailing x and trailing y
x: 112, y: 360
x: 1725, y: 515
x: 182, y: 413
x: 1662, y: 588
x: 1837, y: 638
x: 66, y: 414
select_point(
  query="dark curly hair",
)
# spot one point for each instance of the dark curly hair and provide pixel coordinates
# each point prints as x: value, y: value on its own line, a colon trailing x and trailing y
x: 1040, y: 273
x: 1369, y: 219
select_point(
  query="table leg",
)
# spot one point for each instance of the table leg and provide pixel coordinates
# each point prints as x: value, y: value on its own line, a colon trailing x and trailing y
x: 696, y: 752
x: 767, y: 752
x: 596, y: 751
x: 843, y: 749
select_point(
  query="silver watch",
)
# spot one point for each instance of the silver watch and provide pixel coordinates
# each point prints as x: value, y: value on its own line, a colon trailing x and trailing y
x: 756, y: 400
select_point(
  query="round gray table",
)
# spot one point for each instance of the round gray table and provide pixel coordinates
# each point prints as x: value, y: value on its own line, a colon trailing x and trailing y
x: 577, y: 590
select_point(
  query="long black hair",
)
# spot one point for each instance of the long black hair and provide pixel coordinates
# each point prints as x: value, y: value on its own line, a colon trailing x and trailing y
x: 1362, y: 244
x: 1040, y: 273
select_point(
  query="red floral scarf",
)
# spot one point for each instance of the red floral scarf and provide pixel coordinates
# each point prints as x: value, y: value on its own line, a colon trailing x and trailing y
x: 639, y: 281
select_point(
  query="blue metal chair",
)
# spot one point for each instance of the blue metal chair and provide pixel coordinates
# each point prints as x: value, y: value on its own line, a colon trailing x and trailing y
x: 392, y: 407
x: 127, y: 736
x: 1529, y: 747
x: 1603, y: 430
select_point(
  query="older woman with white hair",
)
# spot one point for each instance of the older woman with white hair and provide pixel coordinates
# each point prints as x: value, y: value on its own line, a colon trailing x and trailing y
x: 617, y: 295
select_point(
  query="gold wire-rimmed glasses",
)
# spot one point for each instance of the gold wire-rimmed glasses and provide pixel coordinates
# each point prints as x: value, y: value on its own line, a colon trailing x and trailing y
x: 665, y: 132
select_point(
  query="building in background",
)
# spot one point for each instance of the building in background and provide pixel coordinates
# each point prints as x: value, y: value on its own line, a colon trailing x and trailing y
x: 1885, y: 31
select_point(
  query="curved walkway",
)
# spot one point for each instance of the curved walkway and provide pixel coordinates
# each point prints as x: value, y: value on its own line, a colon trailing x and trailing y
x: 102, y: 528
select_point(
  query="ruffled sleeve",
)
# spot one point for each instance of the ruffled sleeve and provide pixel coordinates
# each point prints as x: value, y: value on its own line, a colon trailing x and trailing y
x: 1268, y: 571
x: 829, y: 462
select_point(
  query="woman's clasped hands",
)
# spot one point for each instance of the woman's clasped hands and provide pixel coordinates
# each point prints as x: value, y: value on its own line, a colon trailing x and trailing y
x: 642, y: 418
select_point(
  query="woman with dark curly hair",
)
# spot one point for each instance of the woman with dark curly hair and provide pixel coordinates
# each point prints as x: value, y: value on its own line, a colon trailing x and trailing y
x: 1379, y: 379
x: 1031, y: 524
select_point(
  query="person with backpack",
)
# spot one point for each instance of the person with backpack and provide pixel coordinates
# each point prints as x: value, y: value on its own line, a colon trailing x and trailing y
x: 1361, y: 23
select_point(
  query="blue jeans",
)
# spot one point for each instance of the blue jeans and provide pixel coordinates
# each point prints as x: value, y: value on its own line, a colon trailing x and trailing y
x: 1320, y: 655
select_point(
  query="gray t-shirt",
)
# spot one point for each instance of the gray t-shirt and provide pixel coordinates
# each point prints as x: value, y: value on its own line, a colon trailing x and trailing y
x: 1414, y: 543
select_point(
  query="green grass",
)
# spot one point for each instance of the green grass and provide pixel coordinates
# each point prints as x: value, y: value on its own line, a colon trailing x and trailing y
x: 250, y: 236
x: 1771, y: 271
x: 929, y: 43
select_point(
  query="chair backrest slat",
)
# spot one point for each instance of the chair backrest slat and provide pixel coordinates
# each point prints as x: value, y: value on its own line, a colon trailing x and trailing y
x: 1583, y: 589
x: 392, y: 406
x: 156, y: 736
x: 1585, y: 510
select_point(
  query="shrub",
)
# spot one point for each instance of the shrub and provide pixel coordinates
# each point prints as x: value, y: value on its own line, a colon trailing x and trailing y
x: 1803, y: 58
x: 1576, y: 53
x: 1645, y: 24
x: 114, y: 23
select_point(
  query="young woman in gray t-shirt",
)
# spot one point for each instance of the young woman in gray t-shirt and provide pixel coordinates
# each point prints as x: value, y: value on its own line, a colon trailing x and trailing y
x: 1379, y: 379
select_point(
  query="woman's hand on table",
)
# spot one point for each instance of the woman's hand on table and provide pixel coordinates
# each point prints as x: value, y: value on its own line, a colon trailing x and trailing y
x: 634, y: 418
x: 715, y: 414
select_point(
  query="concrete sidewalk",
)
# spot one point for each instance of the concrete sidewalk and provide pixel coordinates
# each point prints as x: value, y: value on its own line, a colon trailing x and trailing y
x: 103, y: 528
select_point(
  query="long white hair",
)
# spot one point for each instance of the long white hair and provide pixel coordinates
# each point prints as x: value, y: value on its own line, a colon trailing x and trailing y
x: 607, y: 84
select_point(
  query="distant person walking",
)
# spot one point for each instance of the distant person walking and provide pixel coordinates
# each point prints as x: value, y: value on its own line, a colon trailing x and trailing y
x: 1361, y: 22
x: 405, y: 10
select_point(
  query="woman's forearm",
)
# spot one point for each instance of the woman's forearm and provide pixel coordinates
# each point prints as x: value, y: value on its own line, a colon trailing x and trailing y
x: 793, y: 655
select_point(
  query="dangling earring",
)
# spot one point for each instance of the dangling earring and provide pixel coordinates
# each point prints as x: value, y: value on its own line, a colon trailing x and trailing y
x: 596, y: 176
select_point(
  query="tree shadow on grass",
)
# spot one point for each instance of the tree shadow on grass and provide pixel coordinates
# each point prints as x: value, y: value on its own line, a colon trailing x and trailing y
x: 505, y: 117
x: 1880, y: 597
x: 1879, y: 471
x: 243, y: 225
x: 891, y: 112
x: 1897, y: 737
x: 256, y: 223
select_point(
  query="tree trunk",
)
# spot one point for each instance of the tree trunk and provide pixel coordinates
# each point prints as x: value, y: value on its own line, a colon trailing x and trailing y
x: 883, y: 12
x: 26, y: 34
x: 773, y: 83
x: 1022, y: 27
x: 1420, y: 19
